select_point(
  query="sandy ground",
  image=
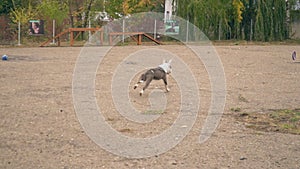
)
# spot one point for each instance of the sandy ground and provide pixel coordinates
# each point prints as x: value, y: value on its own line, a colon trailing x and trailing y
x: 39, y: 127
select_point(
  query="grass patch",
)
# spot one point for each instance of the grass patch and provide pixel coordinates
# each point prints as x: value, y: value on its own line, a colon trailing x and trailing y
x: 283, y: 120
x: 235, y: 109
x: 153, y: 112
x: 243, y: 99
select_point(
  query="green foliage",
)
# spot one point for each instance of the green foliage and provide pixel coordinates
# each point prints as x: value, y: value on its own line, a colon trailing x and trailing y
x: 262, y: 20
x: 271, y: 17
x: 22, y: 15
x: 117, y: 8
x: 56, y: 10
x: 5, y: 6
x: 213, y: 17
x: 147, y: 5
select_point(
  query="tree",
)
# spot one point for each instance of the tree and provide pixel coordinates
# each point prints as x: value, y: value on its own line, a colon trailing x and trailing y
x: 119, y: 8
x: 264, y: 20
x: 237, y: 11
x: 270, y: 21
x: 5, y: 6
x: 22, y: 14
x: 54, y: 10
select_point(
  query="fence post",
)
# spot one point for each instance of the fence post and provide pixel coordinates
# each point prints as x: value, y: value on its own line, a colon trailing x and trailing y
x: 90, y: 34
x: 123, y: 29
x: 187, y: 31
x: 19, y: 33
x: 53, y: 31
x: 154, y: 29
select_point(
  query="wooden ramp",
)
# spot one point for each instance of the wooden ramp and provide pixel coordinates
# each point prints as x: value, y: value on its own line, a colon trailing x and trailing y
x: 151, y: 38
x: 56, y: 37
x: 71, y: 31
x: 138, y: 39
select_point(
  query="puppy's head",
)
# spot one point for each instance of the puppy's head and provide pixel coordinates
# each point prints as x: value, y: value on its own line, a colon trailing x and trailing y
x: 166, y: 66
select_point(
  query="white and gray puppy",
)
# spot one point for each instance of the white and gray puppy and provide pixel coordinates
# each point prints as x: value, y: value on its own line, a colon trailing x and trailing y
x: 155, y: 73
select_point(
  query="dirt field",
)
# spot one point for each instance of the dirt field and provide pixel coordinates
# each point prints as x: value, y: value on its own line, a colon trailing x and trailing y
x: 39, y: 127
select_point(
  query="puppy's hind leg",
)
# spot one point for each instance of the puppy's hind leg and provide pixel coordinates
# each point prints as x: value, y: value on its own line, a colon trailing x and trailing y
x: 146, y: 85
x: 141, y: 80
x: 137, y: 84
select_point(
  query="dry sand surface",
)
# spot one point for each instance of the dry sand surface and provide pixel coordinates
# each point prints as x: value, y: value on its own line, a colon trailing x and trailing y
x: 39, y: 127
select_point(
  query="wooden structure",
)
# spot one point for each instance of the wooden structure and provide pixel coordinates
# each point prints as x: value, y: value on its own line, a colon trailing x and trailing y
x: 136, y: 36
x: 71, y: 31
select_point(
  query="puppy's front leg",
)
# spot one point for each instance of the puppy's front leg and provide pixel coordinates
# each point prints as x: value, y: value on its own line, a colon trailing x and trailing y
x: 167, y: 89
x: 166, y: 84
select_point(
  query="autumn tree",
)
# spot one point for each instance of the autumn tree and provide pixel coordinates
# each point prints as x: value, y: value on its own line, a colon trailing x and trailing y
x: 263, y: 20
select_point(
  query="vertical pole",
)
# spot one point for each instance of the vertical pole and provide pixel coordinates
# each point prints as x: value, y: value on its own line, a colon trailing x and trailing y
x: 139, y: 39
x: 71, y: 38
x: 288, y: 19
x: 110, y: 39
x: 19, y: 33
x: 101, y: 37
x: 187, y: 31
x: 220, y: 30
x: 58, y: 41
x: 90, y: 30
x: 155, y: 29
x: 53, y: 31
x: 123, y: 29
x: 251, y: 30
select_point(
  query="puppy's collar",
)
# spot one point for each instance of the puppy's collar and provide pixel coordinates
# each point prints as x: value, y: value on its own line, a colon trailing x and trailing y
x: 164, y: 67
